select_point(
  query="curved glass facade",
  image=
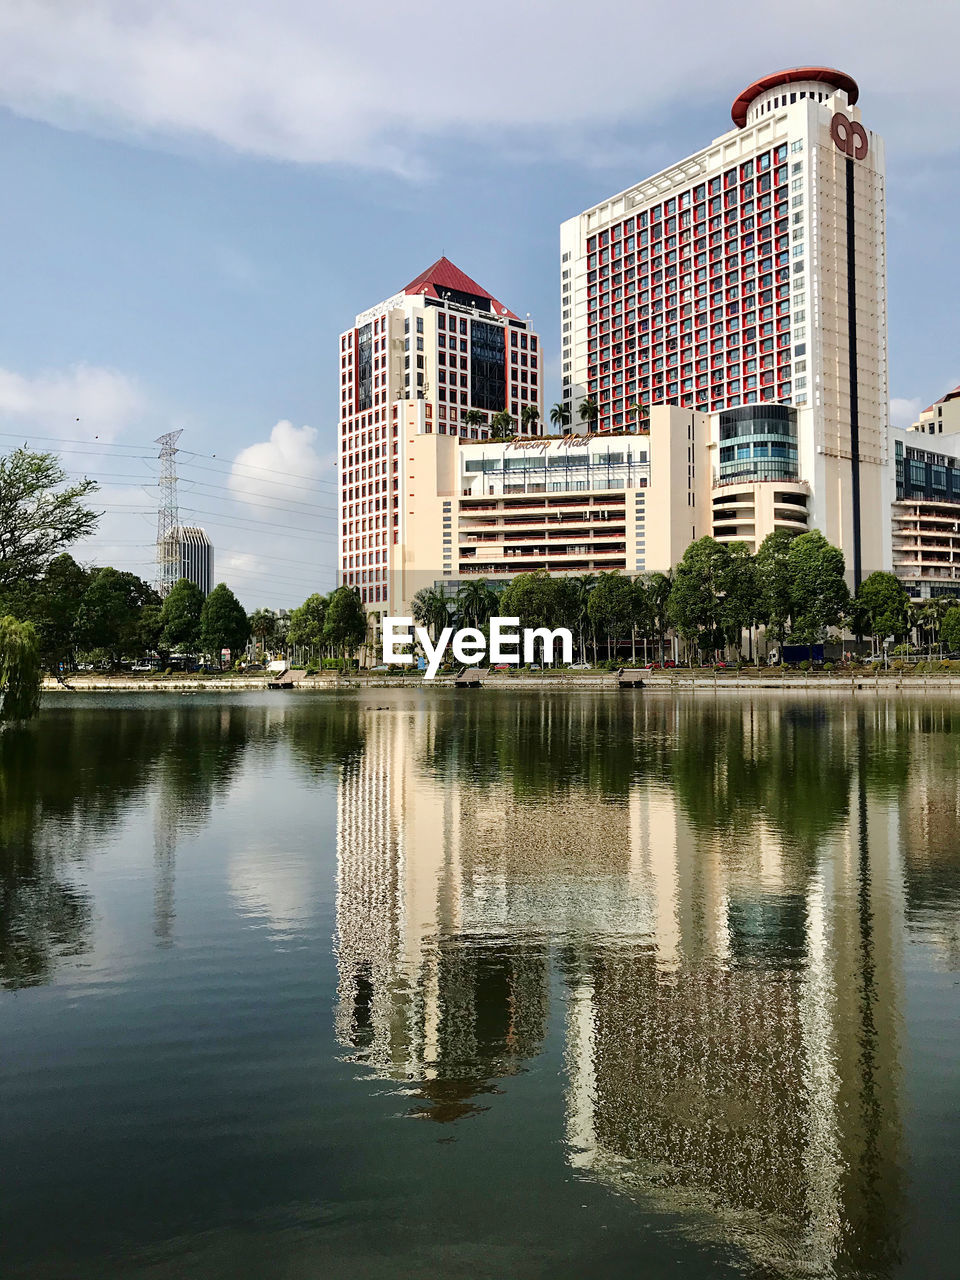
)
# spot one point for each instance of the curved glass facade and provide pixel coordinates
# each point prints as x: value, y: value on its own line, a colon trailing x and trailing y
x: 758, y: 442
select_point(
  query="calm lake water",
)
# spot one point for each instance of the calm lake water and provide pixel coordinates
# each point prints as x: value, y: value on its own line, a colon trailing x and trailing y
x: 481, y: 986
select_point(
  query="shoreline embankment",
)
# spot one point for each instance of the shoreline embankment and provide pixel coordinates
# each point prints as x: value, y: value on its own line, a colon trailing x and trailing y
x: 676, y: 682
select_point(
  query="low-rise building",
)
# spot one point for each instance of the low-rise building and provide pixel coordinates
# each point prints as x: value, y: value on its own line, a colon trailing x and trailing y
x: 942, y: 418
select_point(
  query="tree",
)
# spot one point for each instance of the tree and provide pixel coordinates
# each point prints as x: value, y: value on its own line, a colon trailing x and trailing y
x: 431, y: 609
x: 695, y: 597
x: 818, y: 590
x: 223, y: 623
x: 560, y: 417
x: 180, y: 617
x: 475, y: 603
x: 502, y: 425
x: 534, y: 598
x: 773, y: 583
x: 738, y: 607
x: 109, y: 614
x: 19, y: 670
x: 950, y: 629
x: 574, y: 600
x: 529, y: 417
x: 345, y: 627
x: 589, y: 413
x: 263, y: 626
x: 641, y: 417
x: 305, y: 630
x: 880, y: 608
x: 641, y: 615
x: 473, y: 418
x: 39, y: 518
x: 55, y: 610
x: 658, y: 588
x: 611, y: 607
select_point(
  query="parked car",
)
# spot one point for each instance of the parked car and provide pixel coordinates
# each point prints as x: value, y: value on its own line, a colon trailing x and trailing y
x: 141, y: 667
x: 651, y: 666
x: 382, y: 667
x: 580, y: 666
x: 534, y: 666
x: 668, y: 663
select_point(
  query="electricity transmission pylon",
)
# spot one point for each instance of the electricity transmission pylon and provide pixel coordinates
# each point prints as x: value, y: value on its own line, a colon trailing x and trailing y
x: 168, y: 517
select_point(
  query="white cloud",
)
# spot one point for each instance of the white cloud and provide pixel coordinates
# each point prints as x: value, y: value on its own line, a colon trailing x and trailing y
x: 81, y: 402
x: 312, y: 83
x: 262, y: 473
x: 904, y: 412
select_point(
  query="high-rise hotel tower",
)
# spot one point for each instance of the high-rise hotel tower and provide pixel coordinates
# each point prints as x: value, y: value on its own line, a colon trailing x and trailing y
x: 752, y: 272
x: 419, y: 373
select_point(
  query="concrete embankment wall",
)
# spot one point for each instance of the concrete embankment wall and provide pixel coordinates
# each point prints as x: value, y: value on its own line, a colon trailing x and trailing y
x: 704, y: 683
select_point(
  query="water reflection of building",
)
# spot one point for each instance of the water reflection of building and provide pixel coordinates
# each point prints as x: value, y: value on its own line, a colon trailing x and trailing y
x: 422, y: 995
x: 723, y: 894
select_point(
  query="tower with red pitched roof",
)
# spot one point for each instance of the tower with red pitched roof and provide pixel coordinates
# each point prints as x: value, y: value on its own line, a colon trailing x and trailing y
x: 439, y: 362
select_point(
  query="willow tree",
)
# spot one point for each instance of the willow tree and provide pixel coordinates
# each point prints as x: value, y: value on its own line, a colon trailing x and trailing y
x: 19, y: 670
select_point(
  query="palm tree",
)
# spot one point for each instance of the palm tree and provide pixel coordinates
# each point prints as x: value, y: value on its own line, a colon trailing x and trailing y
x: 560, y: 417
x: 589, y: 413
x: 529, y: 416
x: 640, y: 413
x: 502, y: 425
x: 582, y: 585
x: 473, y: 418
x: 431, y: 609
x: 475, y: 603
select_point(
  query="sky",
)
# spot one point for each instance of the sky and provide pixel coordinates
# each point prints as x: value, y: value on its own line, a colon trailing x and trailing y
x: 199, y: 196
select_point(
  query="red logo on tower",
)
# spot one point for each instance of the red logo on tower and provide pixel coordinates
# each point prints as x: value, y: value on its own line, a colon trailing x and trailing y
x: 849, y: 136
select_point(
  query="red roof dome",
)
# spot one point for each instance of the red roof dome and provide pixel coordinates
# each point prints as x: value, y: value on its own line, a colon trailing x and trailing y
x: 794, y: 75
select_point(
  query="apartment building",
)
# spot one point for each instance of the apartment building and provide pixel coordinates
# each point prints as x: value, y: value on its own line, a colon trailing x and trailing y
x: 940, y: 418
x: 439, y: 359
x: 751, y: 272
x: 925, y: 509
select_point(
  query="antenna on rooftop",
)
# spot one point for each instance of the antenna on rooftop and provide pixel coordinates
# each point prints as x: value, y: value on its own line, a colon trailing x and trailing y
x: 168, y: 516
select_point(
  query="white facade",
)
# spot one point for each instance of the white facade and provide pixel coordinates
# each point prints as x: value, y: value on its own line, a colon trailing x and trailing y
x: 193, y: 554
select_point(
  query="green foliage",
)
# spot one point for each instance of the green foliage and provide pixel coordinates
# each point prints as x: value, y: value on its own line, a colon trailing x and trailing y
x: 345, y: 628
x: 39, y: 517
x: 881, y: 607
x: 180, y: 617
x: 695, y: 597
x: 612, y: 605
x: 109, y: 614
x: 588, y: 413
x: 476, y: 603
x: 773, y: 583
x: 263, y: 626
x: 55, y: 609
x: 502, y: 425
x: 950, y: 629
x: 535, y: 598
x: 431, y: 609
x: 305, y: 629
x: 19, y: 670
x: 560, y: 417
x: 818, y: 591
x: 223, y: 622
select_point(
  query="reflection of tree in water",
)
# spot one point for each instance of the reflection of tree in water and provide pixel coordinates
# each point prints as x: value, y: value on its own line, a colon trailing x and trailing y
x: 65, y: 781
x: 546, y: 745
x: 323, y: 736
x: 787, y: 763
x: 201, y: 750
x: 68, y: 780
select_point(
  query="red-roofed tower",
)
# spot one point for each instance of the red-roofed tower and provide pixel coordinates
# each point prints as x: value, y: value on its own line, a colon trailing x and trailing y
x: 429, y: 367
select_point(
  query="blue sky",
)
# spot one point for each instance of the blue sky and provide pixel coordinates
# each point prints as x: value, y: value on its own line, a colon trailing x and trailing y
x: 197, y: 202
